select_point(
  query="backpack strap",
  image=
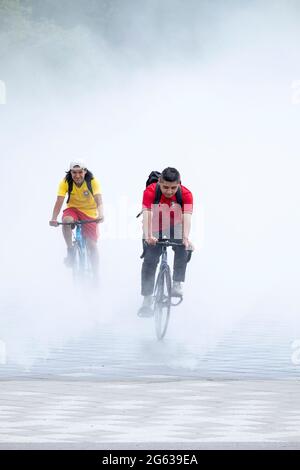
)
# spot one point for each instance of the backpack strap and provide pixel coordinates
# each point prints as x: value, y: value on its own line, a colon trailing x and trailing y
x: 70, y: 187
x: 158, y: 194
x: 88, y: 180
x: 89, y: 184
x: 179, y: 196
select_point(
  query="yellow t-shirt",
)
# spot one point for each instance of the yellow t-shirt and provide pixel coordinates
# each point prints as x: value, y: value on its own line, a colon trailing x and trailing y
x: 81, y: 198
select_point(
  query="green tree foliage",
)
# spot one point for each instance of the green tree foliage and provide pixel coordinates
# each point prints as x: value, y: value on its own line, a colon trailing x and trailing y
x: 22, y: 32
x: 15, y: 24
x: 53, y: 27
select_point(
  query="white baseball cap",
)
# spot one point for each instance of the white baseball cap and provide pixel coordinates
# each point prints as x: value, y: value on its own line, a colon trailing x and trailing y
x: 77, y: 163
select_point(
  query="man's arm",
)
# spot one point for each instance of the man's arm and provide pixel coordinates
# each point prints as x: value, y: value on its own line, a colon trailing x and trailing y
x: 99, y: 203
x: 56, y: 210
x: 187, y: 221
x: 147, y: 227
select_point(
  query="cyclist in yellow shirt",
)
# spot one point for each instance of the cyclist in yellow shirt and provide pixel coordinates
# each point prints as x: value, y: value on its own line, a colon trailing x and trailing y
x: 84, y: 203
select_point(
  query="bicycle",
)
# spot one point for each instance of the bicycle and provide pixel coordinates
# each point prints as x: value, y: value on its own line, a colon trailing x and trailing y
x: 163, y: 290
x: 82, y: 266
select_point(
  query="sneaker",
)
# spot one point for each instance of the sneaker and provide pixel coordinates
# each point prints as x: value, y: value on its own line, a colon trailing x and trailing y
x: 177, y: 290
x: 146, y: 309
x: 69, y: 260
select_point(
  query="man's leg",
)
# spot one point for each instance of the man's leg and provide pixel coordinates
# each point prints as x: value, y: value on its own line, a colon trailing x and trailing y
x: 67, y: 233
x: 180, y: 264
x: 151, y: 259
x: 67, y: 230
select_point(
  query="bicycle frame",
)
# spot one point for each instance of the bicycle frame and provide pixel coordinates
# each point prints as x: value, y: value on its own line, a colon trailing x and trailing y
x: 162, y: 291
x: 164, y: 260
x: 82, y: 265
x: 79, y: 240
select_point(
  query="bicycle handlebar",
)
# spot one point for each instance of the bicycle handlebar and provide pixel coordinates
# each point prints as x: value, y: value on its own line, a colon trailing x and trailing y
x: 169, y: 242
x: 80, y: 222
x: 166, y: 242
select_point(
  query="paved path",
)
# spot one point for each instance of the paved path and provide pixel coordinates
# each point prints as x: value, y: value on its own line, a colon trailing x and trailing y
x: 112, y: 384
x: 149, y: 412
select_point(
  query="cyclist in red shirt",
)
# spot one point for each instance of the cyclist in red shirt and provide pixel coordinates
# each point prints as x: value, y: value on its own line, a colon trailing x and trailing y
x: 167, y: 218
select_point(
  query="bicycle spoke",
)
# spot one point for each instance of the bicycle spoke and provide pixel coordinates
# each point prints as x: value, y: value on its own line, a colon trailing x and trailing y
x: 162, y: 303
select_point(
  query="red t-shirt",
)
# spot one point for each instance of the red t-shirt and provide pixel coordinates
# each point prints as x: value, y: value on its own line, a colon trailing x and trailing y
x: 168, y: 207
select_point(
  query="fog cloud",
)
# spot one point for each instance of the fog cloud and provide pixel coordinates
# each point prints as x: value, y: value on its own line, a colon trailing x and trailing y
x: 207, y: 87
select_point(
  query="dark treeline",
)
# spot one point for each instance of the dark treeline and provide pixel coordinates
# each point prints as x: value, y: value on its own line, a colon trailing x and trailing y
x: 95, y: 14
x: 51, y: 30
x: 140, y: 25
x: 59, y: 34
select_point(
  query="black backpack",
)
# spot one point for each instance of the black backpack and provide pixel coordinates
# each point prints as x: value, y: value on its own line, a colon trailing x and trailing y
x: 88, y: 178
x: 153, y: 178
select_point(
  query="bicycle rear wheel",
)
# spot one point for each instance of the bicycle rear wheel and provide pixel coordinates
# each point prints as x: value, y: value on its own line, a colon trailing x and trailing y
x: 162, y: 302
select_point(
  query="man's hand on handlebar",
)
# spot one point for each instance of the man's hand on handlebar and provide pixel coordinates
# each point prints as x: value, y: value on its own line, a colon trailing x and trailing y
x: 151, y: 241
x: 53, y: 223
x: 188, y: 244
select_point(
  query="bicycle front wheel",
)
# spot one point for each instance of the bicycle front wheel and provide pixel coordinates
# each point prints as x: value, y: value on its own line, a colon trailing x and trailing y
x: 77, y: 262
x: 162, y: 302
